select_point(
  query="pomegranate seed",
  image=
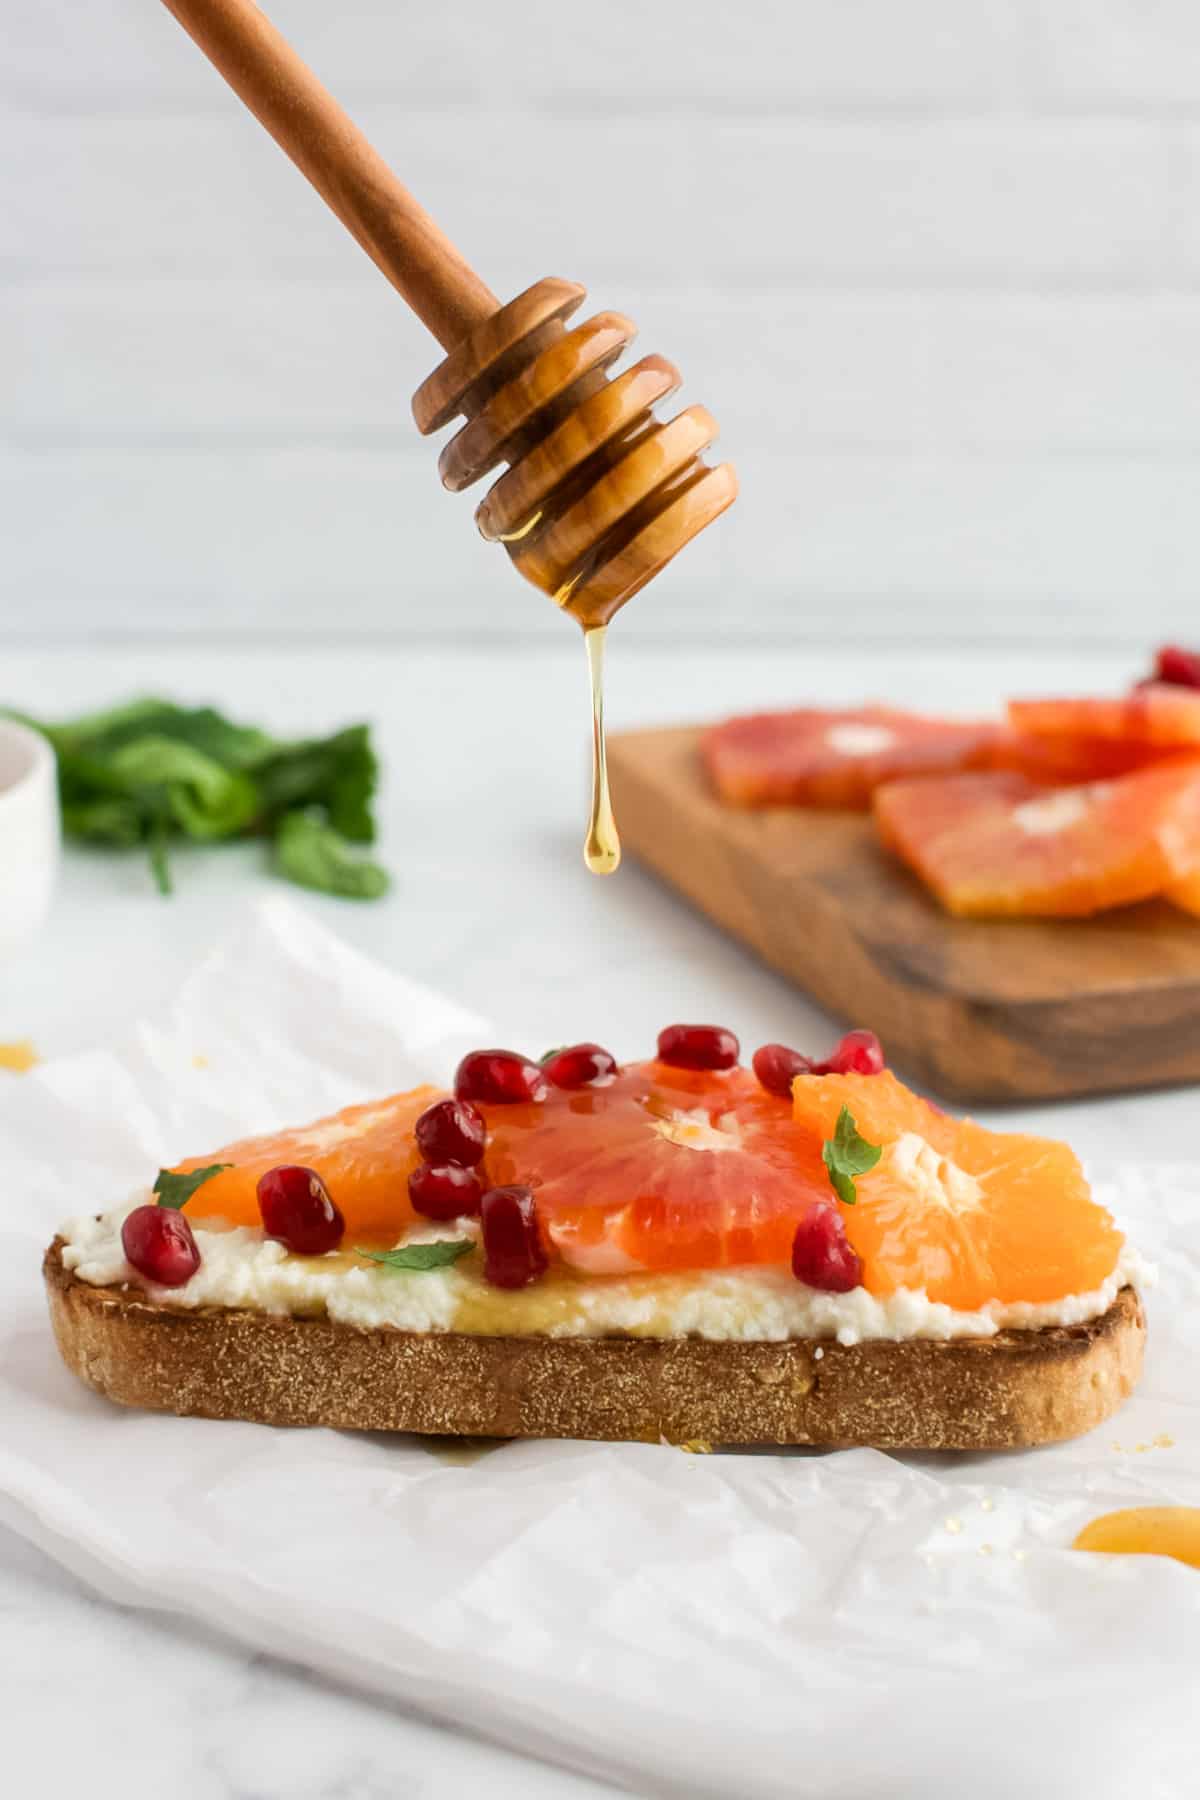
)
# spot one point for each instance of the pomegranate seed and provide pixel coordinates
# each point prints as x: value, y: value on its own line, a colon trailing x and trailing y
x: 451, y: 1131
x: 512, y: 1245
x: 158, y: 1242
x: 698, y: 1047
x: 447, y: 1192
x: 822, y: 1255
x: 777, y: 1067
x: 580, y: 1066
x: 858, y: 1053
x: 499, y: 1078
x: 1179, y: 667
x: 296, y: 1209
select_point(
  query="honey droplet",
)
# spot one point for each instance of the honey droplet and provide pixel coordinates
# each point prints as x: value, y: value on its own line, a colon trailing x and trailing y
x: 1146, y: 1531
x: 18, y: 1058
x: 602, y: 848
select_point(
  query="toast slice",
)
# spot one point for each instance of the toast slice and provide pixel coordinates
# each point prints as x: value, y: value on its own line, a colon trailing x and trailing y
x: 1007, y: 1392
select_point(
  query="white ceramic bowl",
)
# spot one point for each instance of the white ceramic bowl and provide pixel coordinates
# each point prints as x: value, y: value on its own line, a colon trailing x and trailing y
x: 29, y: 832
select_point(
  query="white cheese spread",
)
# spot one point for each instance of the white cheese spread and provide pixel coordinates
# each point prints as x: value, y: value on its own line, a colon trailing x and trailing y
x: 240, y: 1267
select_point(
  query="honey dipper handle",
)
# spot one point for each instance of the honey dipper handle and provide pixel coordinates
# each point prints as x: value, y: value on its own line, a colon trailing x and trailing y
x: 306, y: 121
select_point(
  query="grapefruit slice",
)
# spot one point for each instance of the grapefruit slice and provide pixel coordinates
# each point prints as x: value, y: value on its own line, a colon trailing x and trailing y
x: 999, y: 844
x: 1186, y: 894
x: 664, y: 1168
x: 966, y: 1214
x: 836, y: 759
x: 363, y: 1154
x: 1159, y: 713
x: 1064, y: 759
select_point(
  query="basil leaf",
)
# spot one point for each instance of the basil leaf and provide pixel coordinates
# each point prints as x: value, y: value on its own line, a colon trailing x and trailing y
x: 418, y: 1257
x: 176, y: 1190
x: 314, y: 855
x: 847, y: 1154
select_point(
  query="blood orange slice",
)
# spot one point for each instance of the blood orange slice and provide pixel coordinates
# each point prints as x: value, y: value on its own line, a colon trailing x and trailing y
x: 363, y: 1154
x: 664, y: 1168
x: 965, y: 1214
x: 999, y: 844
x: 1159, y: 714
x: 1063, y: 759
x: 1186, y: 893
x: 836, y: 759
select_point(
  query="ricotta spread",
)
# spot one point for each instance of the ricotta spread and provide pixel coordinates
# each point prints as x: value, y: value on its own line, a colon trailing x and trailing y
x: 241, y: 1267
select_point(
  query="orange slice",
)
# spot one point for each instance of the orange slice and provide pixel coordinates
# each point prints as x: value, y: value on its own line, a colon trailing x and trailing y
x: 836, y: 759
x: 1063, y: 759
x: 663, y: 1169
x: 966, y: 1214
x: 1156, y: 714
x: 1000, y: 844
x: 363, y: 1154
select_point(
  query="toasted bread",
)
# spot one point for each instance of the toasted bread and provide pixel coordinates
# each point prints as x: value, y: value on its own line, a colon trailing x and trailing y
x: 1010, y: 1391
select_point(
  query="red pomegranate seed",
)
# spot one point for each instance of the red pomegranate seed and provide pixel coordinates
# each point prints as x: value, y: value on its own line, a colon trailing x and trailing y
x: 858, y: 1053
x: 822, y: 1255
x: 296, y: 1209
x: 777, y: 1067
x: 451, y: 1131
x: 1179, y: 667
x: 499, y: 1078
x: 580, y: 1066
x: 158, y: 1242
x: 512, y: 1245
x: 448, y: 1192
x: 698, y: 1047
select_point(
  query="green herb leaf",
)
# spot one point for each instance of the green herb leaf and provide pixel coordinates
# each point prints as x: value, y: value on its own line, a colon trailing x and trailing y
x: 313, y: 854
x: 176, y: 1190
x: 150, y: 772
x: 846, y: 1155
x: 418, y: 1257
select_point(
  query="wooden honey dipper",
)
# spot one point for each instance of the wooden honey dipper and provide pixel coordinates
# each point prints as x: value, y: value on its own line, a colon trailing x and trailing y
x: 598, y: 495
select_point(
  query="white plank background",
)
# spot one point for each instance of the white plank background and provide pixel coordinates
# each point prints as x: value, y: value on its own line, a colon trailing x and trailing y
x: 935, y: 267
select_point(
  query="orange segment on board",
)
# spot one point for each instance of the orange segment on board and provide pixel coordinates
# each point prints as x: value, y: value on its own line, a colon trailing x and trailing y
x: 968, y: 1215
x: 1160, y: 714
x: 999, y: 844
x: 363, y: 1154
x: 664, y: 1168
x: 1063, y: 759
x: 836, y: 759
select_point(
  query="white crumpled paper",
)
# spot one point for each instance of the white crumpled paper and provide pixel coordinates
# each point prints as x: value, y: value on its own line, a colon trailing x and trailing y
x: 830, y: 1625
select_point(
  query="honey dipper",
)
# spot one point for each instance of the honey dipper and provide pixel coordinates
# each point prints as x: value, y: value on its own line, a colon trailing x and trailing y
x: 598, y: 495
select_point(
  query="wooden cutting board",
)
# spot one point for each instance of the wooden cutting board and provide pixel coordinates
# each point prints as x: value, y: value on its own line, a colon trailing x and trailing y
x: 976, y: 1010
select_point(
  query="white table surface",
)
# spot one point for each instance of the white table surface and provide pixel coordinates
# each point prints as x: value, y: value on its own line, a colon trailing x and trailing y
x: 482, y: 810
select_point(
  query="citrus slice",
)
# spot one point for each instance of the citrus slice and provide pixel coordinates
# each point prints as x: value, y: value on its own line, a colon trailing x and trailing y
x: 1064, y: 759
x: 363, y: 1154
x: 835, y: 759
x: 1186, y: 894
x: 999, y: 844
x: 663, y: 1168
x: 1159, y: 713
x: 965, y: 1214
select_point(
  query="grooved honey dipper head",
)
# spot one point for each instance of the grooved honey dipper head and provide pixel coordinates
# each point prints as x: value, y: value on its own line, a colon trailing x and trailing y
x: 598, y: 494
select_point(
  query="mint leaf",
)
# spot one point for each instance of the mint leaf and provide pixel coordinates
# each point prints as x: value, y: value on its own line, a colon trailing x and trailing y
x: 416, y: 1257
x: 176, y: 1190
x: 847, y: 1154
x: 314, y: 855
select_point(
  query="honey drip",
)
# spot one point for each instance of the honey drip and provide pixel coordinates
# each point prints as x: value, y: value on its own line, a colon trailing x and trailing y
x: 1146, y: 1531
x: 602, y: 848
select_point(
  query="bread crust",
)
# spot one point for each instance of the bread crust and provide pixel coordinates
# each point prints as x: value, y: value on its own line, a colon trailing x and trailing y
x: 1007, y: 1392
